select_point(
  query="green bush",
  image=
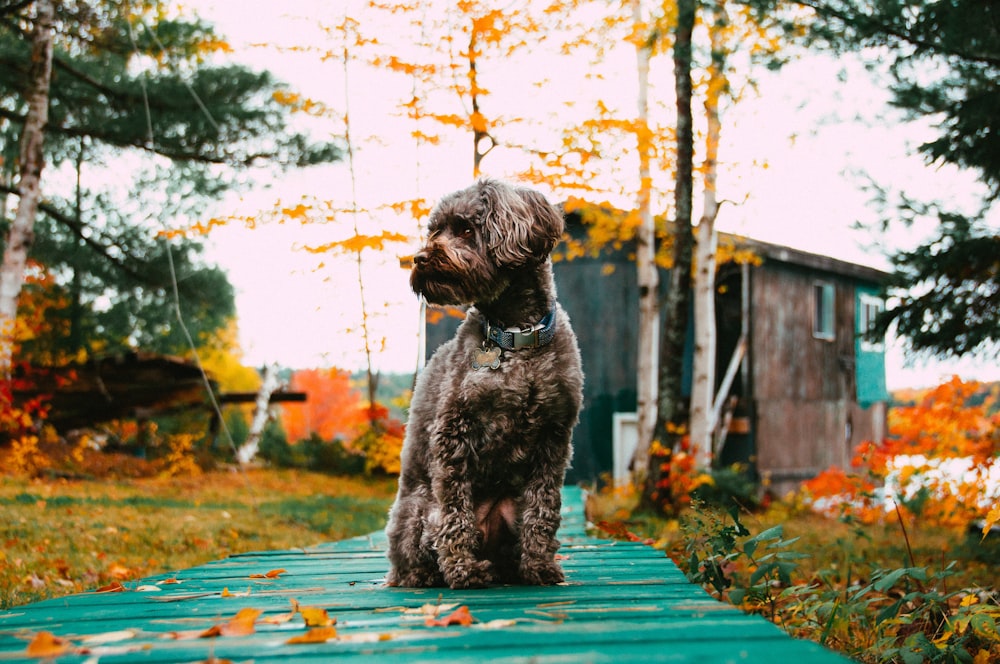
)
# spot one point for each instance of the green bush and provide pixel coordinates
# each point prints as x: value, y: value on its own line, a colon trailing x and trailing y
x: 733, y: 485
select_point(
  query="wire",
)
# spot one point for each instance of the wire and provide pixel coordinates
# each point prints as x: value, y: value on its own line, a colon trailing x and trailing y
x: 175, y: 292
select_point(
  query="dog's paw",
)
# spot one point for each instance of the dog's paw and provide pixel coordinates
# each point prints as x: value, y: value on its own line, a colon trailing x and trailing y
x: 415, y: 578
x: 470, y: 574
x: 541, y: 573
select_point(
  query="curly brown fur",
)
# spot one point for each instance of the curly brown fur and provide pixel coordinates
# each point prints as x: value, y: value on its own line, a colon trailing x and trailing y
x: 486, y: 451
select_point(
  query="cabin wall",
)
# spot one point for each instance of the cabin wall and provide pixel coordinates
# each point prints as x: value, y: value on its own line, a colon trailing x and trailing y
x: 806, y: 417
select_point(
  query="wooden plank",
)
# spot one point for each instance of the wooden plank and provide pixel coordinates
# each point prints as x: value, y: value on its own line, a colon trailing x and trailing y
x: 622, y: 601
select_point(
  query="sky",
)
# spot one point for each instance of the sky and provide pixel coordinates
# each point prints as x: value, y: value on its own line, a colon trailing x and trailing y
x: 796, y: 157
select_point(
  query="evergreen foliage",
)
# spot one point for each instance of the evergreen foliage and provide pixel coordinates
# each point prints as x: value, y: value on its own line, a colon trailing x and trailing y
x: 943, y: 58
x: 153, y: 130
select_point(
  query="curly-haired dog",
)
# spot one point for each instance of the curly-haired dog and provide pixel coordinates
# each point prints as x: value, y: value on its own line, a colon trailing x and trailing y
x: 489, y: 434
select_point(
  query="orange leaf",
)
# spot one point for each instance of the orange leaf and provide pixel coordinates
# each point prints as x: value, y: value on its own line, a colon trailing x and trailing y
x: 239, y: 625
x: 113, y: 587
x: 273, y: 574
x: 46, y: 644
x: 459, y: 616
x: 316, y: 617
x: 315, y: 635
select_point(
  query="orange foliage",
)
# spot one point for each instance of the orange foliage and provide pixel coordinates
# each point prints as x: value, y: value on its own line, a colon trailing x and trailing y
x: 680, y: 475
x: 333, y: 408
x: 936, y: 463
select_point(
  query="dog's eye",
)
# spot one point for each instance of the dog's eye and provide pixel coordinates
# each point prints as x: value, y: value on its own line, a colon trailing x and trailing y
x: 463, y: 229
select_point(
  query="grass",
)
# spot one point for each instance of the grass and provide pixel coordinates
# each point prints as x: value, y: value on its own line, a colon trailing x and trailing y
x: 63, y: 536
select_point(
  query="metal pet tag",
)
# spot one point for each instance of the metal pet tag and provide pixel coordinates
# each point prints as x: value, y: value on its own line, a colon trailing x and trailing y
x: 486, y: 358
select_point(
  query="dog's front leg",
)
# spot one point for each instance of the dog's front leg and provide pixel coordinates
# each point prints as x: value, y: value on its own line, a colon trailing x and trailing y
x: 539, y: 522
x: 457, y: 538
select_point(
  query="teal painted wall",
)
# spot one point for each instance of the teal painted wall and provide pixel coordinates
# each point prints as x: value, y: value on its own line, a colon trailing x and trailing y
x: 870, y: 363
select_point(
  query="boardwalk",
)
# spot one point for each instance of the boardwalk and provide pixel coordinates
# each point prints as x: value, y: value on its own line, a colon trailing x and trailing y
x: 622, y: 602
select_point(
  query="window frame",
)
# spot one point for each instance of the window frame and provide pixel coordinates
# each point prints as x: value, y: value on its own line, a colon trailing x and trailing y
x: 869, y: 307
x: 824, y: 310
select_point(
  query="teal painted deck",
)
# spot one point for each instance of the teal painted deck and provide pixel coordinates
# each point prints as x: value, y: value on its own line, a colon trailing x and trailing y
x: 621, y: 602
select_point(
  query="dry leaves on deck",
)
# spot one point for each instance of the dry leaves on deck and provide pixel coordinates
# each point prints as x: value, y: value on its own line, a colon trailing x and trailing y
x: 459, y: 616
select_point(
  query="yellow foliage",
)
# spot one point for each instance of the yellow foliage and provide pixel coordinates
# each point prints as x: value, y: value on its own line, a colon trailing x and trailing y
x: 180, y: 460
x: 222, y: 358
x: 358, y: 243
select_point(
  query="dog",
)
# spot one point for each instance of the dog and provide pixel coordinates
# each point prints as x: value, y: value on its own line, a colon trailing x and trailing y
x: 489, y: 434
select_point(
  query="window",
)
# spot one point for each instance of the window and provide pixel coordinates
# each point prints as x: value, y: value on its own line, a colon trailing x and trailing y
x: 869, y: 307
x: 823, y: 298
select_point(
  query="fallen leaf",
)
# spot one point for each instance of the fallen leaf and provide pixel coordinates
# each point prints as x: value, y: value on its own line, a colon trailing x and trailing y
x: 279, y: 619
x: 273, y: 574
x: 499, y: 623
x: 433, y: 610
x: 459, y: 616
x: 561, y: 556
x: 148, y: 589
x: 365, y: 637
x: 282, y: 618
x: 113, y: 587
x: 109, y: 637
x: 316, y: 617
x: 241, y: 624
x: 315, y: 635
x: 167, y: 582
x: 119, y: 571
x: 47, y: 644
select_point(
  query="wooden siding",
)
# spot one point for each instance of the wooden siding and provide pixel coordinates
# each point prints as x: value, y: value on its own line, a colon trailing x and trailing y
x: 807, y: 418
x: 622, y: 602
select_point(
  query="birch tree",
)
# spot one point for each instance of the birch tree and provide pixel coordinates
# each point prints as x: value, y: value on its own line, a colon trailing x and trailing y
x: 702, y: 418
x: 32, y: 160
x: 645, y: 259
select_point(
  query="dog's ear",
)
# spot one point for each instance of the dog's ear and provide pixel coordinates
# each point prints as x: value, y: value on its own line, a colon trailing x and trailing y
x: 522, y: 226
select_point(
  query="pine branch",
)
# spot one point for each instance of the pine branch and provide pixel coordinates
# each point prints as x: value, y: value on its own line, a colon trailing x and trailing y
x: 825, y: 9
x: 77, y: 228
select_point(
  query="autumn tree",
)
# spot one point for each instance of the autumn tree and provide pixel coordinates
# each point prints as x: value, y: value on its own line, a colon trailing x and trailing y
x: 334, y: 409
x: 134, y: 84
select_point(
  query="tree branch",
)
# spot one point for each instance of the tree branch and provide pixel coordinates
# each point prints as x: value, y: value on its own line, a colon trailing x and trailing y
x: 824, y: 9
x: 76, y: 226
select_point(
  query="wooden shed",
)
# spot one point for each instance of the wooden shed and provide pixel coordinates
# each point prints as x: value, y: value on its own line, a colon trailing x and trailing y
x: 803, y: 389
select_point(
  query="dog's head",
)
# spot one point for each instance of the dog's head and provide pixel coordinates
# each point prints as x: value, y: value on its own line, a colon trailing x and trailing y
x: 478, y: 236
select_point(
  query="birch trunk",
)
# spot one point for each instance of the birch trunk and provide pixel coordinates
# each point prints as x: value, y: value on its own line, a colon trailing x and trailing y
x: 21, y: 234
x: 648, y: 279
x: 702, y: 421
x: 248, y: 450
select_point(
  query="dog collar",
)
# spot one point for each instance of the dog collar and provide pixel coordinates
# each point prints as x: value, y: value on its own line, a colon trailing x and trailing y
x: 534, y: 336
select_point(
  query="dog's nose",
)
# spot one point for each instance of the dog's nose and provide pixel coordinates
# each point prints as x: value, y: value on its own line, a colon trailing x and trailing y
x: 420, y: 257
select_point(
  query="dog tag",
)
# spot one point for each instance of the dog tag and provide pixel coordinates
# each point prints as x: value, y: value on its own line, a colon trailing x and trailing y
x: 486, y: 358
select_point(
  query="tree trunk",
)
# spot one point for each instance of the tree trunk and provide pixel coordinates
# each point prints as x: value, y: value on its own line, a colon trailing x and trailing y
x: 703, y: 374
x: 248, y: 450
x: 671, y: 407
x: 21, y: 234
x: 647, y: 277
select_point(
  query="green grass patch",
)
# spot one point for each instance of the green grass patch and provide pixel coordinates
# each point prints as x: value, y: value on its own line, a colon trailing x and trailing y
x: 60, y: 537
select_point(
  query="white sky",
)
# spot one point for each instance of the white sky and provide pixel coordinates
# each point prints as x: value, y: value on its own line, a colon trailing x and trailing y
x: 816, y: 124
